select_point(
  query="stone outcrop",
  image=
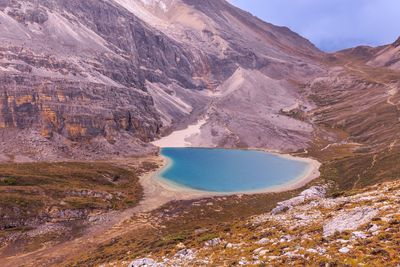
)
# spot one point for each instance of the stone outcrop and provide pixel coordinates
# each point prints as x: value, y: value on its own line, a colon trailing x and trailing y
x: 349, y: 220
x: 75, y: 110
x: 37, y: 15
x: 362, y: 227
x: 314, y: 192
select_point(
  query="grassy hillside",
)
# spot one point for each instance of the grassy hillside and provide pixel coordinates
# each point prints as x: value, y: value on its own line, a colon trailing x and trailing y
x: 58, y: 198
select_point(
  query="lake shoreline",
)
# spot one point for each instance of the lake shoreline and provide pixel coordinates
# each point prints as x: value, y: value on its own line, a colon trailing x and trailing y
x: 166, y: 189
x: 158, y: 192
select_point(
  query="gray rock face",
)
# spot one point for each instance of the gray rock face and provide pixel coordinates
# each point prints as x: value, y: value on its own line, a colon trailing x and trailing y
x: 37, y: 15
x: 349, y: 220
x: 314, y: 192
x: 73, y: 112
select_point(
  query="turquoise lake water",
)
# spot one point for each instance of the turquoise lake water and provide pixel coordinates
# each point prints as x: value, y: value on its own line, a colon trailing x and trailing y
x: 225, y: 170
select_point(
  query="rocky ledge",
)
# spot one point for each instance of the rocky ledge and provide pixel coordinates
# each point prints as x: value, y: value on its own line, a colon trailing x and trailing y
x: 363, y: 228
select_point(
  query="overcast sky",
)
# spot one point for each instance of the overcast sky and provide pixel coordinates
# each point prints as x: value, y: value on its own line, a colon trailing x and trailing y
x: 332, y: 24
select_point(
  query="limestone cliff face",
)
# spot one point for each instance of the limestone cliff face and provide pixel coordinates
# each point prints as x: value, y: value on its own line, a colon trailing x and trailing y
x: 88, y: 73
x: 63, y: 107
x: 75, y: 70
x: 52, y: 99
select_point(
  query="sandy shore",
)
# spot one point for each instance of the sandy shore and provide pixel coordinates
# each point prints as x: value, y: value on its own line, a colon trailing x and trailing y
x: 158, y: 192
x: 179, y: 138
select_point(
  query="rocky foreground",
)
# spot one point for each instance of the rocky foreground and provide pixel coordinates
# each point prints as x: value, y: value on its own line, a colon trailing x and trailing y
x: 356, y: 230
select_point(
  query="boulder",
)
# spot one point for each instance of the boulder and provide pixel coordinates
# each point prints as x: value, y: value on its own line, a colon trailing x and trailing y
x: 38, y: 15
x: 314, y: 192
x: 344, y: 250
x: 311, y: 250
x: 359, y: 234
x: 213, y: 242
x: 185, y: 254
x: 145, y: 262
x: 373, y: 228
x: 263, y: 241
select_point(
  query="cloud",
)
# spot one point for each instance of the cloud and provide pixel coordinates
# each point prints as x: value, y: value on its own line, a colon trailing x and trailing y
x: 332, y: 24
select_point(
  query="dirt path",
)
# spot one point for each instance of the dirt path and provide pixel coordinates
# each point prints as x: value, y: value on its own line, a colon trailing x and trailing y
x: 359, y: 176
x: 348, y: 66
x: 392, y: 92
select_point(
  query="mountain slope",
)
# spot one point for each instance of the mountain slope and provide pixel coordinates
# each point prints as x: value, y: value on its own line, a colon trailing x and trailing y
x: 99, y: 76
x: 388, y: 56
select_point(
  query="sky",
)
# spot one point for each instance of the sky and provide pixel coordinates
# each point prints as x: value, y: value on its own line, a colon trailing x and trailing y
x: 332, y: 24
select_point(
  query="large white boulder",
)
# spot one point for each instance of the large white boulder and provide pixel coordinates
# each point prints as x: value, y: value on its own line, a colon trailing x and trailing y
x: 314, y: 192
x: 349, y: 220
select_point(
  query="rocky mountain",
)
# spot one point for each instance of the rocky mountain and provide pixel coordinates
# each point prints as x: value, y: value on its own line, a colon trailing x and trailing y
x: 389, y: 56
x: 86, y: 79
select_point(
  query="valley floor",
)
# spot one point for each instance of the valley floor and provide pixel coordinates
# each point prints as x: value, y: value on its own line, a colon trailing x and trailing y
x: 106, y: 226
x: 355, y: 223
x: 46, y: 248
